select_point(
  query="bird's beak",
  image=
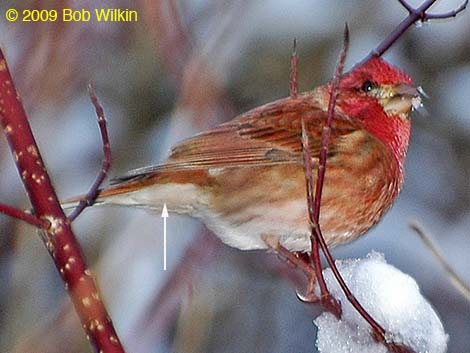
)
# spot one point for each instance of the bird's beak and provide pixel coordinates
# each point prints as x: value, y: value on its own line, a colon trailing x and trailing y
x: 402, y: 100
x: 405, y: 90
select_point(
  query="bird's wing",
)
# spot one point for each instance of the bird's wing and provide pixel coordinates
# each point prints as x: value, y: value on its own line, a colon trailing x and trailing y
x: 270, y: 134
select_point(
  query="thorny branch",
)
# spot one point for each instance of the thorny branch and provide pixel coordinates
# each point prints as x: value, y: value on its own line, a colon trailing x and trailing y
x: 106, y: 164
x: 58, y: 236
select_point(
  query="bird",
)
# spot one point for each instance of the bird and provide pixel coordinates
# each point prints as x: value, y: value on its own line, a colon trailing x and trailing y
x: 244, y: 179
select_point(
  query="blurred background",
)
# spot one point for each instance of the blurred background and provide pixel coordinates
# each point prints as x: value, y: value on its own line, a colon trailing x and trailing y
x: 182, y: 67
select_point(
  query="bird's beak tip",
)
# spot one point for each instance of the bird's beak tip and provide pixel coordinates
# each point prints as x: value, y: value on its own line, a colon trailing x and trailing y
x: 422, y: 92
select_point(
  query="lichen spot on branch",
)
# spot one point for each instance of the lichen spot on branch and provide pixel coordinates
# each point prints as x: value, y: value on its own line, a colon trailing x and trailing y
x: 56, y: 225
x: 32, y: 150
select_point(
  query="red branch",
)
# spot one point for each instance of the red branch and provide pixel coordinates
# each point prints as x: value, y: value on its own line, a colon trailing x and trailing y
x: 314, y: 205
x: 293, y: 71
x: 23, y: 216
x: 58, y: 238
x: 314, y: 199
x: 315, y: 260
x: 106, y: 164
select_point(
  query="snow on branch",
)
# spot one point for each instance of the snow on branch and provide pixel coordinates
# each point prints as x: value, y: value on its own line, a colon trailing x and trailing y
x: 391, y: 297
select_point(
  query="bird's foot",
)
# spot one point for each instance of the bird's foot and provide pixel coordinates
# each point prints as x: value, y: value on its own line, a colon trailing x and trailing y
x: 296, y: 259
x: 299, y: 260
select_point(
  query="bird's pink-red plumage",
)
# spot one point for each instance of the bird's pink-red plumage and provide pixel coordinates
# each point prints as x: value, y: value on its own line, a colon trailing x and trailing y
x: 244, y: 179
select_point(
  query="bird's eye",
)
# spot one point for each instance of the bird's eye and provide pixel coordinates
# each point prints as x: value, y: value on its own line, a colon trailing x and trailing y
x: 367, y: 86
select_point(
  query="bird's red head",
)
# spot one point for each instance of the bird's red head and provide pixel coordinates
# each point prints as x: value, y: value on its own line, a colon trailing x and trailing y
x: 378, y: 71
x: 380, y: 97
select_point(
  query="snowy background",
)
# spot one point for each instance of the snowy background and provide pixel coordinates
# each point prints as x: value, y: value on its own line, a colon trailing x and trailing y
x: 183, y: 67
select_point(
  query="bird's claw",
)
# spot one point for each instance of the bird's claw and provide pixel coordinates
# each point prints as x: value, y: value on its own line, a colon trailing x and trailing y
x: 309, y: 297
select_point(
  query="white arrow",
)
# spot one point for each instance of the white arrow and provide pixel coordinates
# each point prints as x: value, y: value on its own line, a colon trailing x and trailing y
x: 164, y: 216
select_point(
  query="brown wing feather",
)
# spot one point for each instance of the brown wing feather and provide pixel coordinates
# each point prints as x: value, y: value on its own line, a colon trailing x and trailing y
x: 270, y: 134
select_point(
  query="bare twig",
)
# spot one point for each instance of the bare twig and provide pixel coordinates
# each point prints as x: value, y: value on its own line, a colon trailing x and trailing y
x: 454, y: 278
x: 315, y: 250
x: 59, y: 237
x: 418, y: 14
x: 106, y: 164
x: 24, y: 216
x: 293, y: 71
x: 423, y: 16
x: 327, y: 128
x: 415, y: 14
x: 406, y: 5
x: 314, y: 199
x: 314, y: 214
x: 452, y: 13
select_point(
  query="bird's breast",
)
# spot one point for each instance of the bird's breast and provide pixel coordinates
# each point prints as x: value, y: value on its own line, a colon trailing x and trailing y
x: 362, y: 180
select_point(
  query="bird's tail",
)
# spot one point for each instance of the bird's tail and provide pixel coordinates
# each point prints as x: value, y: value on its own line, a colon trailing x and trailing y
x: 182, y: 191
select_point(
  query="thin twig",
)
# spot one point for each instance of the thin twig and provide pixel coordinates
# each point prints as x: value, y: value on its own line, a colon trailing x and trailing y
x: 317, y: 236
x: 452, y: 13
x: 414, y: 15
x: 106, y: 164
x: 293, y: 71
x: 315, y: 250
x: 327, y: 128
x: 59, y: 237
x: 24, y: 216
x: 314, y: 199
x: 454, y: 278
x: 406, y: 5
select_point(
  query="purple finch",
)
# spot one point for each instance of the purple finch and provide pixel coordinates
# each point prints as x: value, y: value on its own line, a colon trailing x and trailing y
x: 244, y: 179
